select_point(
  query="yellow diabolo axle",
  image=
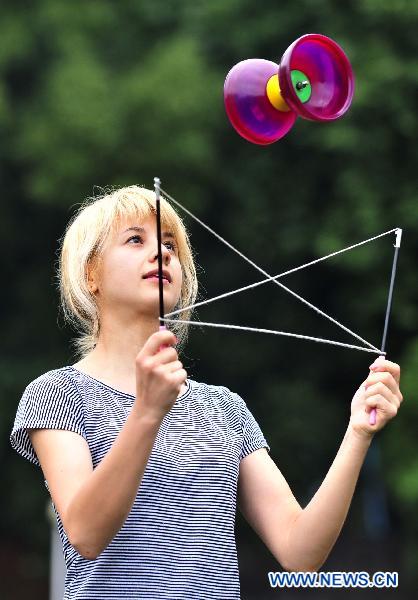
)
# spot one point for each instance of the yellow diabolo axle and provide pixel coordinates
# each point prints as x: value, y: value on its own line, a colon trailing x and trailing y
x: 274, y: 94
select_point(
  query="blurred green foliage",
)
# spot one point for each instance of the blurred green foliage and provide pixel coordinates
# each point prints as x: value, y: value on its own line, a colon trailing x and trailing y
x: 100, y: 93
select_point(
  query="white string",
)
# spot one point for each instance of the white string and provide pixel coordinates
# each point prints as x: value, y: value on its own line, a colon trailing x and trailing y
x: 269, y: 277
x: 257, y: 283
x: 274, y: 332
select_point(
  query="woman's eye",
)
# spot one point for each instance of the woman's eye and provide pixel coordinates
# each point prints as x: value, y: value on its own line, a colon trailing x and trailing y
x: 171, y: 246
x: 135, y: 237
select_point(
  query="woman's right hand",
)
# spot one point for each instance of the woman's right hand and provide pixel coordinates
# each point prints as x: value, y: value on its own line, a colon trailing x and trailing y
x: 159, y: 375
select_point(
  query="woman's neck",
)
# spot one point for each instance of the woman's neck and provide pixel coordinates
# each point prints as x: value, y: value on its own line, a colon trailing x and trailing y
x: 113, y: 357
x: 112, y: 361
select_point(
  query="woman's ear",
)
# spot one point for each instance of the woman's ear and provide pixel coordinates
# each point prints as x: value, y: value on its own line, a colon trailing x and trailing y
x: 92, y: 276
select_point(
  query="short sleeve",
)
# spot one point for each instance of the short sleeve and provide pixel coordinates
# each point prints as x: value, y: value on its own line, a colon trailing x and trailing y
x: 48, y: 402
x: 253, y: 438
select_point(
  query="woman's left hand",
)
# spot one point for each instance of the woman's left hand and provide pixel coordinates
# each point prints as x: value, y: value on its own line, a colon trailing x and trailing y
x: 380, y: 391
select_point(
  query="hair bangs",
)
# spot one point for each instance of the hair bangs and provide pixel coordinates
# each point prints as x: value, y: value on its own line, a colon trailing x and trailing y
x: 136, y: 205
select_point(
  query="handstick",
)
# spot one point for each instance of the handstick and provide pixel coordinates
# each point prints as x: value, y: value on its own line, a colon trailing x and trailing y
x: 157, y: 187
x: 372, y: 417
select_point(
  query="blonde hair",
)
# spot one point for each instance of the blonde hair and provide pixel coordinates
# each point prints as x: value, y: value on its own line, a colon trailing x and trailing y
x: 84, y: 241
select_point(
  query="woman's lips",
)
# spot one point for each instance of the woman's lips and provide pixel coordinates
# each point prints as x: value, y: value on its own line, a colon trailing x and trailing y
x: 155, y: 278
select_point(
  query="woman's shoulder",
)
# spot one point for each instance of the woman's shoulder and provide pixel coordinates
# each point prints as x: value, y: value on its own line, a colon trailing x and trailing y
x: 51, y: 390
x: 59, y: 378
x: 50, y: 401
x: 214, y: 391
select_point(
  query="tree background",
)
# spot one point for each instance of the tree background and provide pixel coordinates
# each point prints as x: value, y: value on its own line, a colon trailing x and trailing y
x: 96, y: 93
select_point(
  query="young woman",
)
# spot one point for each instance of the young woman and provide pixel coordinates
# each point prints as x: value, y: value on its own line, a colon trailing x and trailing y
x: 144, y: 465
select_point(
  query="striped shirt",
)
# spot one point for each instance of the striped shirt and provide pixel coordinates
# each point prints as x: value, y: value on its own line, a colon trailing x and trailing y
x: 178, y: 541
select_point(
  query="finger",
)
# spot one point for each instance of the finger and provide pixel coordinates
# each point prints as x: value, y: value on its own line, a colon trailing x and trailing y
x: 381, y: 364
x: 386, y: 378
x: 381, y: 403
x: 166, y: 355
x: 171, y: 367
x: 382, y: 390
x: 178, y: 377
x: 158, y: 339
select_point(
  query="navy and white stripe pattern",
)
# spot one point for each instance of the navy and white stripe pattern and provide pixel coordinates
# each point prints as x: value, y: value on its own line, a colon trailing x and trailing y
x: 178, y: 541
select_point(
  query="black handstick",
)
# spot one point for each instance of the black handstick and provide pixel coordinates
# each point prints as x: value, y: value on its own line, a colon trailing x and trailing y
x: 372, y: 417
x: 157, y: 187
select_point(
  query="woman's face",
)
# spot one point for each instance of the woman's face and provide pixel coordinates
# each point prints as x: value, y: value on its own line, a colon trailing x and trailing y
x: 126, y: 279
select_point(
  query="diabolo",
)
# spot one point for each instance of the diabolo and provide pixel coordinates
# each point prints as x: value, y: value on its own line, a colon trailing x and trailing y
x: 314, y: 80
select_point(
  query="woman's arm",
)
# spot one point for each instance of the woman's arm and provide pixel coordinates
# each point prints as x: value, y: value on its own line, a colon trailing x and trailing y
x: 94, y: 504
x: 317, y: 527
x: 301, y: 539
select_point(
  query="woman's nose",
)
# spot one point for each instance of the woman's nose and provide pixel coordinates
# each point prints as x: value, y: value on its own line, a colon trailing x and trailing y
x: 165, y: 254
